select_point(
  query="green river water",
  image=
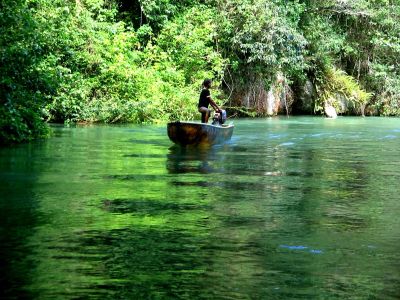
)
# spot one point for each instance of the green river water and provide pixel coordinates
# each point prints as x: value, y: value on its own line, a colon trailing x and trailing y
x: 290, y: 208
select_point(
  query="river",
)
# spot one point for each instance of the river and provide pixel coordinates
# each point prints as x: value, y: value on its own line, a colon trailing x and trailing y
x: 290, y: 208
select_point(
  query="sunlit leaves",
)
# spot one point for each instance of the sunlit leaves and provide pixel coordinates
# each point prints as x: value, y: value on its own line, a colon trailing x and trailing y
x: 143, y: 61
x: 188, y: 42
x: 358, y: 36
x: 342, y: 91
x: 263, y: 35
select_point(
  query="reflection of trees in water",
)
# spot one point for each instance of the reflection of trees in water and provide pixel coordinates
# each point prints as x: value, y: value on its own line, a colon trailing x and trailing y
x: 18, y: 218
x: 233, y: 264
x: 322, y: 194
x: 207, y: 224
x: 337, y: 188
x: 280, y: 198
x: 227, y: 262
x: 142, y: 262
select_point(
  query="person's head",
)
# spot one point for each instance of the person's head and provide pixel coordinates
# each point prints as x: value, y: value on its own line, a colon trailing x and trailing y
x: 207, y: 83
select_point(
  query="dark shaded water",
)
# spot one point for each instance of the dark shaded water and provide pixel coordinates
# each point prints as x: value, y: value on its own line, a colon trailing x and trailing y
x: 298, y: 208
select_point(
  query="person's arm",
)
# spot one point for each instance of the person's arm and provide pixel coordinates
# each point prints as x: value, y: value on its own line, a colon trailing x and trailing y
x: 214, y: 105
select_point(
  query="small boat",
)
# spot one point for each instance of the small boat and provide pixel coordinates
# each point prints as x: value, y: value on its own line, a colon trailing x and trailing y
x: 194, y: 134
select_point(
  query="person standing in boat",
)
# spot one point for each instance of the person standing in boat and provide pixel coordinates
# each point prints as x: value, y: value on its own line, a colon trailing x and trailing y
x: 205, y: 100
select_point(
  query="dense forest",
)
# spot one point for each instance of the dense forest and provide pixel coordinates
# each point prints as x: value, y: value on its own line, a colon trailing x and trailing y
x: 144, y: 61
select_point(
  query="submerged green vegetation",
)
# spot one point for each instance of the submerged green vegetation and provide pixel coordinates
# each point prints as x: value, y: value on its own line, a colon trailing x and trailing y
x: 144, y: 61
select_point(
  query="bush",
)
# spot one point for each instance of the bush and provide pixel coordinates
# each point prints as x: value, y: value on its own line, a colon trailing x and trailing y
x: 122, y: 80
x: 342, y: 91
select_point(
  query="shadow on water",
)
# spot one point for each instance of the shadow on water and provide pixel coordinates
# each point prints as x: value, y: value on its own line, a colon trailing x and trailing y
x: 148, y: 207
x: 191, y: 160
x: 138, y: 263
x: 18, y: 217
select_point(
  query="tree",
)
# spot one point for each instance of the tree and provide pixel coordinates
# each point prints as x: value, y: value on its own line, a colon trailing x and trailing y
x: 261, y: 39
x: 21, y: 86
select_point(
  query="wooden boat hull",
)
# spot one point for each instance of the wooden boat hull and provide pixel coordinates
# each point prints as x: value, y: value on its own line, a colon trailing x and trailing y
x: 191, y: 133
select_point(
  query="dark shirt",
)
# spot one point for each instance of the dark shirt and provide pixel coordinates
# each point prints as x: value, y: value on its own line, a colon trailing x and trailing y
x: 204, y: 100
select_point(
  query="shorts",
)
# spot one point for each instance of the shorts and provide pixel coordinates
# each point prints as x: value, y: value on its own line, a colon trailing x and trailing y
x: 203, y: 109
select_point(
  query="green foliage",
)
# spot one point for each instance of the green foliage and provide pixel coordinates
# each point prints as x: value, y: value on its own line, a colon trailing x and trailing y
x: 262, y: 37
x: 143, y: 61
x: 158, y: 12
x: 154, y: 13
x: 188, y: 44
x: 20, y: 123
x: 128, y: 81
x: 362, y: 37
x: 21, y: 99
x: 387, y: 100
x: 337, y: 88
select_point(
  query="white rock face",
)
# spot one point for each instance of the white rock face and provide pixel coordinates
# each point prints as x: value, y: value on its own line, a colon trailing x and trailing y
x: 270, y: 103
x: 330, y: 111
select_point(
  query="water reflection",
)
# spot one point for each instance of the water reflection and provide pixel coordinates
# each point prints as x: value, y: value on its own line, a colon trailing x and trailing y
x: 191, y: 160
x: 17, y: 218
x: 289, y: 209
x: 148, y: 208
x: 134, y: 263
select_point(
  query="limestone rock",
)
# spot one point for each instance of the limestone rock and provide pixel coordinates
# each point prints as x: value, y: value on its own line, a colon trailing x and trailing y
x: 306, y: 97
x: 271, y: 103
x: 330, y: 111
